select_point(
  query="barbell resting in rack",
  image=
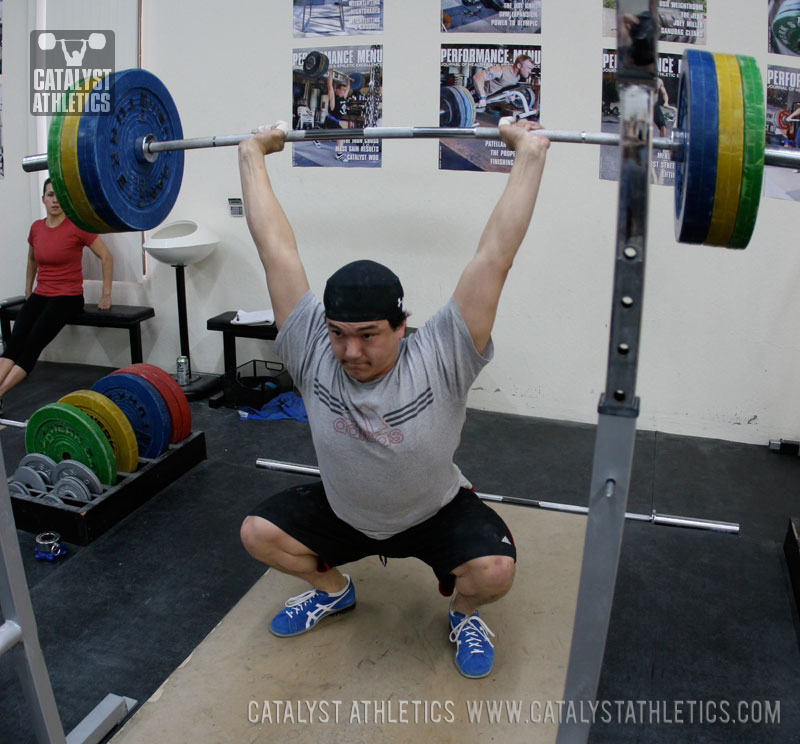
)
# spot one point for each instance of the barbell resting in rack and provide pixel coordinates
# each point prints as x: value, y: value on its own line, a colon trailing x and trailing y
x: 654, y: 517
x: 115, y: 149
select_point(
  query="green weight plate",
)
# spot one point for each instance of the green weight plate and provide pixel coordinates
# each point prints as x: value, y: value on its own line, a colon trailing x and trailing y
x: 115, y: 425
x: 730, y: 152
x: 753, y: 164
x: 786, y: 28
x: 54, y: 164
x: 64, y: 432
x: 69, y: 166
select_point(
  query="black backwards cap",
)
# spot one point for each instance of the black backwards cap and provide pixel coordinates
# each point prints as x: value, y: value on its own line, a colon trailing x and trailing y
x: 363, y: 291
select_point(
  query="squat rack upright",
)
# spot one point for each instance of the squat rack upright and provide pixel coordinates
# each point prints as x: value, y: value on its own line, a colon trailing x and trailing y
x: 19, y: 638
x: 618, y: 409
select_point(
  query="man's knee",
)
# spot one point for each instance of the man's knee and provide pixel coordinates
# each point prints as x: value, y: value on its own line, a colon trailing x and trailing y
x: 257, y: 534
x: 492, y: 573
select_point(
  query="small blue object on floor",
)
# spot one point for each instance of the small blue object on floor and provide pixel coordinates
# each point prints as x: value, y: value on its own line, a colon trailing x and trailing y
x: 283, y: 406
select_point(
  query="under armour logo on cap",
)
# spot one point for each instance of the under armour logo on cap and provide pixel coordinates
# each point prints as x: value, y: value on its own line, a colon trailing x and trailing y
x: 362, y: 291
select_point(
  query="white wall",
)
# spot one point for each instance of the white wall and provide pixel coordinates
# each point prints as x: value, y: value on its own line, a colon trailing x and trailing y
x: 719, y: 346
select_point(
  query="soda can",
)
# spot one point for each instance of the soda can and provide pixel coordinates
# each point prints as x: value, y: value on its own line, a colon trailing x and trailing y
x: 182, y: 370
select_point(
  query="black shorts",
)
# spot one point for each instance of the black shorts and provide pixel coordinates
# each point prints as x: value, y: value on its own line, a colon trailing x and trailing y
x: 460, y: 531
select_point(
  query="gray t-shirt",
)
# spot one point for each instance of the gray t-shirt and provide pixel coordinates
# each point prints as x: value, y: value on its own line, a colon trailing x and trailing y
x: 385, y: 448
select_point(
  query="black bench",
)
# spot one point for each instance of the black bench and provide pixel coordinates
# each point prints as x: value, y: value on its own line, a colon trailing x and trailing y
x: 232, y: 331
x: 117, y: 316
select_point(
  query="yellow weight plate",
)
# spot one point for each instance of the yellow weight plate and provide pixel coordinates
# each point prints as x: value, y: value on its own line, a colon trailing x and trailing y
x: 113, y: 422
x: 69, y: 162
x: 730, y: 150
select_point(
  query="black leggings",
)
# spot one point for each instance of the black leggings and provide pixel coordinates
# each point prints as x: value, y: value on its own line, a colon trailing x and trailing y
x: 38, y: 323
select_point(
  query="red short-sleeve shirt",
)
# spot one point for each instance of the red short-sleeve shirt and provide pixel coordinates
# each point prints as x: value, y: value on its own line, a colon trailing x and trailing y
x: 58, y: 252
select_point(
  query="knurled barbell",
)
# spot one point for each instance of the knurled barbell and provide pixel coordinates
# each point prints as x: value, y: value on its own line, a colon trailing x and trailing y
x: 117, y: 164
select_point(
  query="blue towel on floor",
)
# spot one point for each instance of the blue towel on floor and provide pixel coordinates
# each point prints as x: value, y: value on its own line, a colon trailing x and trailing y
x: 283, y: 406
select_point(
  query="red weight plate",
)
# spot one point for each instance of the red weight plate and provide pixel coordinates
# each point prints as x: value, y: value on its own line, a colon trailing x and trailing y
x: 175, y: 416
x: 184, y: 419
x: 180, y: 396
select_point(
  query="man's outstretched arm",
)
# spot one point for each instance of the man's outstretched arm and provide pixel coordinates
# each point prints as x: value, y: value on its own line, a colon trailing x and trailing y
x: 478, y: 292
x: 271, y: 231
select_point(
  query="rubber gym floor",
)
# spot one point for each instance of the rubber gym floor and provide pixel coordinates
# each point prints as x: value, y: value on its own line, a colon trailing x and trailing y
x: 697, y: 615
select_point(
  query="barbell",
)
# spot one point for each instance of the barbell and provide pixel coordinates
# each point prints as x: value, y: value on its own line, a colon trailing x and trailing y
x: 655, y: 518
x: 117, y: 164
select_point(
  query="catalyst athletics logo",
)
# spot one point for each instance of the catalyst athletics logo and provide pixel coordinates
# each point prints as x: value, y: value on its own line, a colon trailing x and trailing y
x: 65, y: 68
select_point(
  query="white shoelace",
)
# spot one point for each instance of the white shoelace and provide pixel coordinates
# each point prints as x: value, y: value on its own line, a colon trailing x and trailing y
x: 474, y: 627
x: 296, y: 604
x: 301, y: 599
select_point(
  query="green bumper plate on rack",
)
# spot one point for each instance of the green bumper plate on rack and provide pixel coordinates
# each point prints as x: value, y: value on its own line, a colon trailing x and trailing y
x: 63, y: 432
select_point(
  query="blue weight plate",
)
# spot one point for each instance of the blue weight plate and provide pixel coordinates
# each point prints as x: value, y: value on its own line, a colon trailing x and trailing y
x: 126, y: 190
x: 143, y: 406
x: 697, y: 124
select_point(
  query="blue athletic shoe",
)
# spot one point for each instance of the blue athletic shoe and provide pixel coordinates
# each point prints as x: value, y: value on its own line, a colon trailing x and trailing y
x: 305, y: 610
x: 474, y: 650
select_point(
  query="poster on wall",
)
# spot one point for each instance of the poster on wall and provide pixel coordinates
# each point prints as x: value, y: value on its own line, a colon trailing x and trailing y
x: 665, y: 113
x: 337, y: 88
x: 783, y: 30
x: 479, y: 84
x: 683, y: 21
x: 783, y: 130
x: 337, y: 17
x: 492, y: 16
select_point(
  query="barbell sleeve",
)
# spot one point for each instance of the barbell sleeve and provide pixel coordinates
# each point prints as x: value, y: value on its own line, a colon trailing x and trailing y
x: 15, y: 424
x: 731, y: 528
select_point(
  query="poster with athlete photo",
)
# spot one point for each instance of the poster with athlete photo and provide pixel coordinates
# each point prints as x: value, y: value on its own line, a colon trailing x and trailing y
x: 783, y: 31
x: 479, y: 84
x: 336, y: 17
x: 492, y: 16
x: 665, y: 113
x: 337, y: 88
x: 683, y: 21
x: 783, y: 130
